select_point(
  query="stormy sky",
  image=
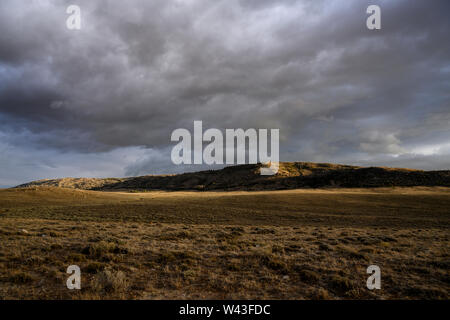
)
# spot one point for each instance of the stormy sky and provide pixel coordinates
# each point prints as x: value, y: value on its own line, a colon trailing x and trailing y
x: 102, y: 101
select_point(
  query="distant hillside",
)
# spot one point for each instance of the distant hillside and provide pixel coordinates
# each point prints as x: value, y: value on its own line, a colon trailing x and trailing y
x: 291, y: 175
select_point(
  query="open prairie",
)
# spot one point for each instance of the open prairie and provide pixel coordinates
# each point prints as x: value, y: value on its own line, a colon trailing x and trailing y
x: 292, y: 244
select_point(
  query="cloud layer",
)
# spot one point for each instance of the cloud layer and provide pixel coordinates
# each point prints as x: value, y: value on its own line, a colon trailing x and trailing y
x: 83, y: 100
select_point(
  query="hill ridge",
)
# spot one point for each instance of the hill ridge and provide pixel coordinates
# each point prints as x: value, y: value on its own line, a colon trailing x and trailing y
x: 291, y: 175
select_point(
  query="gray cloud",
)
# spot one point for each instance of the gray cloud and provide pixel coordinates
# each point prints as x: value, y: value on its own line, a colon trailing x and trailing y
x: 140, y: 69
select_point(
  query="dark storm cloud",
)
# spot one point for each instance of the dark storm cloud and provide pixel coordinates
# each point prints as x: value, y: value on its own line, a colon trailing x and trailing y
x: 139, y: 69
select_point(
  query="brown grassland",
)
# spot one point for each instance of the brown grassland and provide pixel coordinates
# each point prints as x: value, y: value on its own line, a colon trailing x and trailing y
x: 292, y: 244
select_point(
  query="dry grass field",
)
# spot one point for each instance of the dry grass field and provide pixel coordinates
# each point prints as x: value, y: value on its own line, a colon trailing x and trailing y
x: 292, y: 244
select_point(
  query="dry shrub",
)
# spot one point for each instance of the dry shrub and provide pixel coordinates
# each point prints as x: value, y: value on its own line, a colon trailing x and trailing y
x: 33, y: 261
x: 19, y: 277
x: 273, y: 263
x: 101, y: 248
x: 110, y: 281
x: 352, y: 253
x: 177, y: 236
x: 308, y: 276
x: 341, y: 284
x: 169, y: 257
x: 321, y: 294
x: 76, y: 257
x: 95, y: 267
